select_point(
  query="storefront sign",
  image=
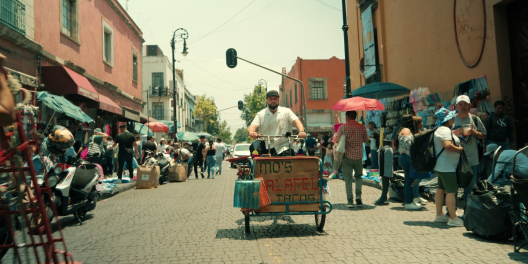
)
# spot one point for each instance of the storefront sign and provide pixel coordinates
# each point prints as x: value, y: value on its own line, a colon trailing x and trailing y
x: 88, y: 94
x: 290, y: 180
x: 134, y: 116
x: 369, y: 47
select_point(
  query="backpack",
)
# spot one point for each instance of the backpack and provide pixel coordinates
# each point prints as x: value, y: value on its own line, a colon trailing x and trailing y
x: 423, y: 158
x: 95, y: 147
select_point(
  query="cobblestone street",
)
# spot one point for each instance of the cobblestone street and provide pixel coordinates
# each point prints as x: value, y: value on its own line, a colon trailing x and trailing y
x: 195, y: 222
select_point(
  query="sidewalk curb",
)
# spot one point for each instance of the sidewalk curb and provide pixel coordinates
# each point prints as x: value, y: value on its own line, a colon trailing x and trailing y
x: 120, y: 189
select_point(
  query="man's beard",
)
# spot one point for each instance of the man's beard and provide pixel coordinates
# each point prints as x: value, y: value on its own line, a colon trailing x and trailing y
x: 271, y: 107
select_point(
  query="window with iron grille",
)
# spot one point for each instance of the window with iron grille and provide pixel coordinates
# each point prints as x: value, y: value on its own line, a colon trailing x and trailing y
x: 158, y: 110
x: 157, y: 81
x: 13, y: 15
x: 317, y: 89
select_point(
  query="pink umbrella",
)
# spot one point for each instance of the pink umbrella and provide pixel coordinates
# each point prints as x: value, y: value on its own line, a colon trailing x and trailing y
x: 358, y: 103
x: 157, y: 127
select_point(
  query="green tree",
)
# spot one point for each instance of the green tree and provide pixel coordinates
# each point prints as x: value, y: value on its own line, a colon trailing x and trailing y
x: 205, y: 111
x: 253, y: 103
x: 225, y: 132
x: 241, y: 135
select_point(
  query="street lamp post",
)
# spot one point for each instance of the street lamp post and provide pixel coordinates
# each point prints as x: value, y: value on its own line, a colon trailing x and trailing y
x: 261, y: 82
x: 184, y: 35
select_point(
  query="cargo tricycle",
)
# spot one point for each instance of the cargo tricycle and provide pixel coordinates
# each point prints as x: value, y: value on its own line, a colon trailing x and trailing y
x: 295, y: 184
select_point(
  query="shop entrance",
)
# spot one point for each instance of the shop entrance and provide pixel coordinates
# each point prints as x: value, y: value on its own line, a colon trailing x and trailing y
x: 518, y: 32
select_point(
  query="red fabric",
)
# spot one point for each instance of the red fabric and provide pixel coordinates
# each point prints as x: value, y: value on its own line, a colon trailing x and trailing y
x: 358, y: 103
x: 355, y: 135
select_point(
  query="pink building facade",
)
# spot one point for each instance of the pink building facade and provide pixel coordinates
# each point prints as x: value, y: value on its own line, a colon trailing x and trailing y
x: 91, y: 54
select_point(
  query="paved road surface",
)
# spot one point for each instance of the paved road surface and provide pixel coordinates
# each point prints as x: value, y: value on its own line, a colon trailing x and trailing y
x: 194, y: 222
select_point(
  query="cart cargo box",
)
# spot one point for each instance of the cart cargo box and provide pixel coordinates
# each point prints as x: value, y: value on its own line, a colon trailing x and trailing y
x: 178, y: 172
x: 290, y: 179
x: 147, y: 177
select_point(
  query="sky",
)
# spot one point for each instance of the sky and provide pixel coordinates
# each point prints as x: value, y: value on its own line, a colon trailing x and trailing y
x: 272, y: 33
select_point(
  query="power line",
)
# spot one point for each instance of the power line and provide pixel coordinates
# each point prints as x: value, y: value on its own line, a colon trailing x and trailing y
x: 328, y: 5
x: 248, y: 17
x: 214, y: 75
x: 223, y: 23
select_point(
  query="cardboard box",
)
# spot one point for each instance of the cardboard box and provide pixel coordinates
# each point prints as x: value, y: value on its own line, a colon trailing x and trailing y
x: 178, y: 172
x: 147, y: 177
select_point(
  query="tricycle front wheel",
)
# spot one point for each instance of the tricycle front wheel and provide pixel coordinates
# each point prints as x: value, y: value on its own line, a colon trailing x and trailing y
x: 320, y: 220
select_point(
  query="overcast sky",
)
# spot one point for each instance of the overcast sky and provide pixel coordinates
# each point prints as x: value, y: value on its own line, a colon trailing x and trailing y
x: 268, y: 32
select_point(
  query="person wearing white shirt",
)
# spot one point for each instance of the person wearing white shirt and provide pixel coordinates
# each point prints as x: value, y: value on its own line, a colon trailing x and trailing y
x: 220, y: 150
x: 276, y: 120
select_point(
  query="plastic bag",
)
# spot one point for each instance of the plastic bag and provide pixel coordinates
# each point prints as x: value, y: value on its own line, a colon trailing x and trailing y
x: 263, y: 193
x: 487, y: 213
x: 247, y: 194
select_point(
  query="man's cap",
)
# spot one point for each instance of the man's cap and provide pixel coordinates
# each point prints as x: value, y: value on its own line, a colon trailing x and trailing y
x: 162, y: 139
x: 308, y: 135
x: 272, y: 93
x: 98, y: 130
x: 491, y: 148
x: 463, y: 98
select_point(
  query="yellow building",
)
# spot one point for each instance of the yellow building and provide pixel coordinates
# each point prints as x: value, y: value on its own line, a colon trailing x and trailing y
x: 416, y: 46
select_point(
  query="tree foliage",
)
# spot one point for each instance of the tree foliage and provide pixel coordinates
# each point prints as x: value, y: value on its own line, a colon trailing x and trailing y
x: 241, y: 135
x: 253, y: 103
x: 225, y: 132
x: 205, y: 111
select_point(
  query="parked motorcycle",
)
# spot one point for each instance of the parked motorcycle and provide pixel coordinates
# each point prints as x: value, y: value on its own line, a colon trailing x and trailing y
x: 160, y: 160
x: 76, y: 186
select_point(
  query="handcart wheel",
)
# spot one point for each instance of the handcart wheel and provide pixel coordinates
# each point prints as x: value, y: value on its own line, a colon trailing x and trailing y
x: 320, y: 220
x: 246, y: 221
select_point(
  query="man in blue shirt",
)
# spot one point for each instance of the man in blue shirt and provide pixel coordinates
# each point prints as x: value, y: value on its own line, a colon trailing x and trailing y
x: 505, y: 162
x: 310, y: 145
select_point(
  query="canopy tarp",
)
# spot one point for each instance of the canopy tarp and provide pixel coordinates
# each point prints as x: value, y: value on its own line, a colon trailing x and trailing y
x: 62, y: 105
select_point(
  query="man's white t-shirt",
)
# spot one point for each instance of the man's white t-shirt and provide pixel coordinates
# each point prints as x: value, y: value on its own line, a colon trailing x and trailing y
x: 275, y: 124
x: 447, y: 161
x: 220, y: 149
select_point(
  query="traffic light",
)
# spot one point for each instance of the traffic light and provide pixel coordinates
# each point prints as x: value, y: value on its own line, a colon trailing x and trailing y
x: 231, y: 58
x: 240, y: 105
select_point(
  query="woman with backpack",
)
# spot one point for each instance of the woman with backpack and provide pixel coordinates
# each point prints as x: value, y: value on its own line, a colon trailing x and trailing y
x: 447, y: 149
x: 409, y: 126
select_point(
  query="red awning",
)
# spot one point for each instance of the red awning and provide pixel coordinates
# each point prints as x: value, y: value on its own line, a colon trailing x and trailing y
x: 107, y: 104
x: 61, y: 80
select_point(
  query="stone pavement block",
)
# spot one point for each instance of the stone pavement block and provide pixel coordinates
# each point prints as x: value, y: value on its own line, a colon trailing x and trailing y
x: 194, y: 222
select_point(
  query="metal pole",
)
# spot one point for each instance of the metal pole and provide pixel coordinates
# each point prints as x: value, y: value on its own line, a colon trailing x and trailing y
x: 183, y: 36
x: 148, y: 107
x: 174, y: 97
x: 347, y: 59
x: 279, y: 73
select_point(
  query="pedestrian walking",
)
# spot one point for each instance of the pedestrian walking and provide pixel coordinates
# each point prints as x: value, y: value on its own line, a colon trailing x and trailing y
x: 127, y: 142
x: 210, y: 158
x: 220, y: 155
x: 469, y: 129
x: 447, y: 149
x: 328, y: 158
x: 355, y: 136
x: 139, y: 147
x: 199, y: 156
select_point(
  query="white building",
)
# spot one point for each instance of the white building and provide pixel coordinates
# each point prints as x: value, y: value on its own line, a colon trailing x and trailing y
x: 158, y: 88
